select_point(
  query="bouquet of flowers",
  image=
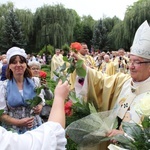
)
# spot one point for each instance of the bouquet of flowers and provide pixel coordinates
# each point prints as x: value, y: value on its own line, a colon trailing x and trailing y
x: 137, y: 136
x: 91, y: 130
x: 76, y: 108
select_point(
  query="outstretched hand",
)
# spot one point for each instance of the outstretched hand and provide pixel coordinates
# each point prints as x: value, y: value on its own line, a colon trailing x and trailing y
x: 113, y: 133
x: 62, y: 89
x: 57, y: 112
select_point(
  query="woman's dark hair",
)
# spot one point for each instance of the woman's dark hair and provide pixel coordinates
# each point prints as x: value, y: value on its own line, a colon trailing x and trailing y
x: 9, y: 73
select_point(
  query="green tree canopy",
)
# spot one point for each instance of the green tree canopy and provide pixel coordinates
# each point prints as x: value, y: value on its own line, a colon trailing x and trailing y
x: 100, y: 40
x: 12, y: 34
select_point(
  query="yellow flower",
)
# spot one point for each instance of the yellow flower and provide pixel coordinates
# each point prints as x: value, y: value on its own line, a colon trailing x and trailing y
x: 143, y: 107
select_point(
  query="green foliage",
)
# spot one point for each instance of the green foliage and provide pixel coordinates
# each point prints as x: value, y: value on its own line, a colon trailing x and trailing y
x: 118, y: 33
x: 66, y: 49
x: 49, y: 50
x: 79, y: 110
x: 4, y: 9
x: 71, y: 68
x: 78, y: 32
x: 71, y: 145
x: 26, y: 17
x: 123, y: 32
x: 146, y: 122
x: 63, y: 71
x: 81, y: 72
x: 100, y: 39
x: 12, y: 32
x: 1, y: 112
x: 55, y: 25
x: 50, y: 83
x: 115, y: 39
x: 87, y: 34
x: 79, y: 107
x: 83, y: 31
x: 135, y: 15
x: 49, y: 102
x: 136, y: 136
x: 56, y: 22
x: 38, y: 90
x: 88, y: 21
x: 34, y: 102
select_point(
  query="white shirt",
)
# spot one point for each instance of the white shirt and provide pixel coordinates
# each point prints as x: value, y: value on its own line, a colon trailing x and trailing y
x: 49, y: 136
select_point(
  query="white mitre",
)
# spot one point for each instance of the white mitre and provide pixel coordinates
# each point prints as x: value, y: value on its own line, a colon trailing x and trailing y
x: 141, y: 42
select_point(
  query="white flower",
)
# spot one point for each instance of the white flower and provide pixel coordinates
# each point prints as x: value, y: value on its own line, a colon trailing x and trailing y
x: 143, y: 107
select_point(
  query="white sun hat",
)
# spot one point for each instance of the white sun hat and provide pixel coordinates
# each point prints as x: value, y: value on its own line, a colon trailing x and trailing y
x: 15, y: 51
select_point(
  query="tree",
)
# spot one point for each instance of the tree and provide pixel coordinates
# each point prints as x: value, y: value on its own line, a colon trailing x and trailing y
x: 12, y: 33
x: 77, y: 32
x: 4, y: 8
x: 87, y: 35
x: 87, y: 23
x: 135, y: 15
x: 110, y: 24
x: 26, y: 17
x: 100, y: 40
x: 66, y: 49
x: 116, y: 36
x: 54, y: 22
x: 123, y: 32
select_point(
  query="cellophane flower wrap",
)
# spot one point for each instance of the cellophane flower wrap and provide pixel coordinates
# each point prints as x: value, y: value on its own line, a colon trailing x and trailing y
x: 137, y: 136
x: 91, y: 130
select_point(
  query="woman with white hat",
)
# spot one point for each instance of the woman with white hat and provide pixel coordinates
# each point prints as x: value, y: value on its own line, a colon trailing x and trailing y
x: 14, y: 92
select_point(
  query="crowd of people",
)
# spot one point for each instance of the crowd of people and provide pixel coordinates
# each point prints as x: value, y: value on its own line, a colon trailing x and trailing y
x: 114, y: 80
x: 121, y: 91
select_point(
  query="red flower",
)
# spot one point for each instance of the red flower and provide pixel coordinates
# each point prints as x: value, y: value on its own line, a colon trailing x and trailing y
x: 75, y: 46
x: 68, y: 109
x: 43, y: 74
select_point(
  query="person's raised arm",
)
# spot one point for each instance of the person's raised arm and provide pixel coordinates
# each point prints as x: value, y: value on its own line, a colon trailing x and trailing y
x: 57, y: 112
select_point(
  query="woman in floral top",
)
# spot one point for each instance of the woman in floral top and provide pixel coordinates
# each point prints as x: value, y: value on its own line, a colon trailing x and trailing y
x: 19, y: 87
